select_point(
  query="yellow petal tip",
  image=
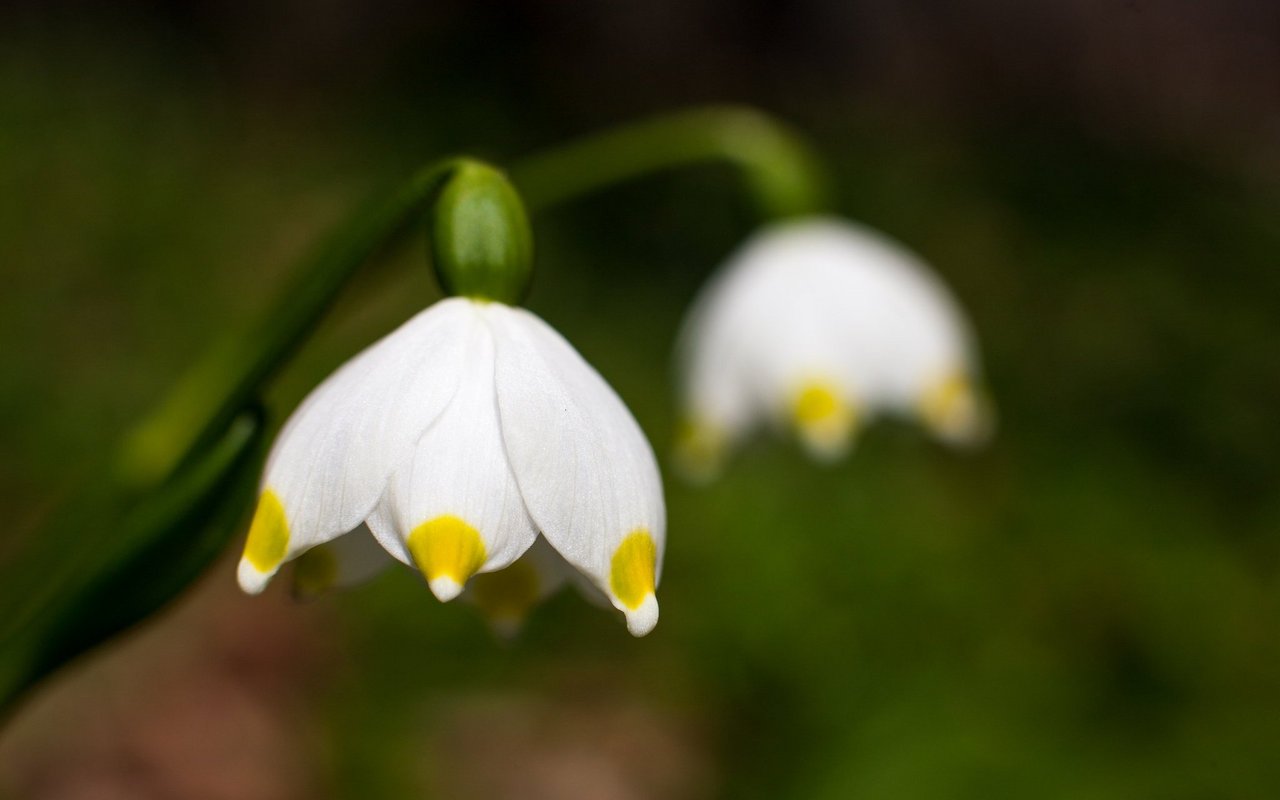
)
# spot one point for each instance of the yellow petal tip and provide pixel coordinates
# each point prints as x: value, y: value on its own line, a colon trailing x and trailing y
x: 824, y: 420
x: 448, y: 551
x: 267, y: 544
x: 632, y: 574
x: 955, y: 411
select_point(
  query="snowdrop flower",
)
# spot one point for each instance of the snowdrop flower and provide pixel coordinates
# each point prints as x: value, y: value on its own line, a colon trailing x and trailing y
x: 473, y: 443
x: 455, y: 445
x: 818, y: 325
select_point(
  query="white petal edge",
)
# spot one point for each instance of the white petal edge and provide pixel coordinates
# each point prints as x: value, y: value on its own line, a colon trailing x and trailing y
x: 332, y: 460
x: 586, y: 471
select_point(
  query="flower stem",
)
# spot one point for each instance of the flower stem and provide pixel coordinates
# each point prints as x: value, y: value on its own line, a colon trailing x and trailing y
x: 777, y: 167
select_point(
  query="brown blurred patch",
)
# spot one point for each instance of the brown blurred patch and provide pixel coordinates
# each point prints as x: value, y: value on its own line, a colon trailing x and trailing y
x: 572, y: 744
x: 210, y: 701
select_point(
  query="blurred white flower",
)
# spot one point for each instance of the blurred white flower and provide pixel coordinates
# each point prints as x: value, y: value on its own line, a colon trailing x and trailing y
x: 474, y: 438
x: 819, y: 325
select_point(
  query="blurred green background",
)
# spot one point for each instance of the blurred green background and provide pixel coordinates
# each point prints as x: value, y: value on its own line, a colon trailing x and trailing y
x: 1087, y: 609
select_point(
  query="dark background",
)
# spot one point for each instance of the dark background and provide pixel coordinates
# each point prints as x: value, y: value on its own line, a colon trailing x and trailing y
x: 1088, y: 608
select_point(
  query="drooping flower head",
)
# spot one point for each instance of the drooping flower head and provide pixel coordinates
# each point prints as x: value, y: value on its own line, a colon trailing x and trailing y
x: 818, y: 325
x: 457, y: 443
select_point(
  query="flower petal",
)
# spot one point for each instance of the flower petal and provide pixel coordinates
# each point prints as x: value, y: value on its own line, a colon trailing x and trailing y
x: 825, y: 418
x: 956, y: 411
x: 888, y: 302
x: 332, y: 460
x: 454, y: 506
x: 587, y: 474
x: 716, y: 404
x: 711, y: 348
x: 762, y: 337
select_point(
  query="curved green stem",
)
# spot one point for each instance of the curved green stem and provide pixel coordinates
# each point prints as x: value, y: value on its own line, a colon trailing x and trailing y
x: 777, y: 168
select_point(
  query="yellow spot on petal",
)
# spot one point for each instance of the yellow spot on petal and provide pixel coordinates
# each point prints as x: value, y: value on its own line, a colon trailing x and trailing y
x: 816, y: 402
x: 315, y: 572
x: 447, y: 547
x: 951, y: 408
x: 506, y: 596
x: 631, y: 573
x: 824, y: 419
x: 268, y: 534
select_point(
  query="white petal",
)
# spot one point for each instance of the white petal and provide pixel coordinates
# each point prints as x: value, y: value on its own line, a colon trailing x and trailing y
x: 803, y: 313
x: 334, y: 456
x: 894, y: 306
x: 926, y: 364
x: 455, y: 506
x: 718, y: 406
x: 587, y: 474
x: 762, y: 334
x: 351, y: 559
x: 710, y: 349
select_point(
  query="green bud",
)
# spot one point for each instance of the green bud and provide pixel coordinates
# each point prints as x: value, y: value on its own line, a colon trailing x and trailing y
x: 480, y: 240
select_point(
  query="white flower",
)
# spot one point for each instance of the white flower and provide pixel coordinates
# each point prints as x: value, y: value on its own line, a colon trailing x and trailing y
x: 820, y: 324
x: 471, y: 436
